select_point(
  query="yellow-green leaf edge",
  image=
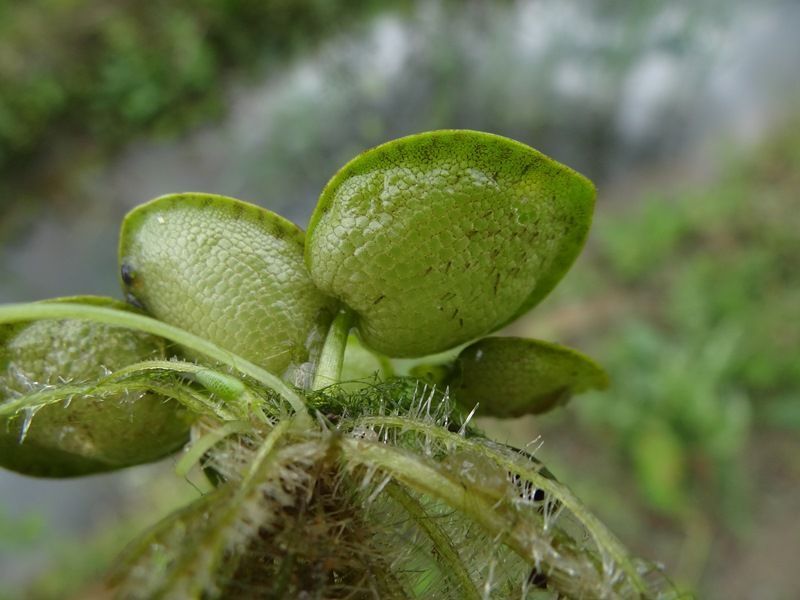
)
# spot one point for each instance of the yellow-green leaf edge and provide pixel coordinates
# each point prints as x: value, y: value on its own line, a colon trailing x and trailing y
x: 378, y: 156
x: 272, y: 224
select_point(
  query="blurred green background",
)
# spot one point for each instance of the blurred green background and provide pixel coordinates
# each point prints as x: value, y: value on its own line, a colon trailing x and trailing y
x: 685, y: 114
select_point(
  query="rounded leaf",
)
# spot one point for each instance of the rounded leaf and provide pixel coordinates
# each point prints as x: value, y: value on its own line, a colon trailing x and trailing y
x: 510, y: 377
x: 87, y: 434
x: 438, y: 238
x: 228, y: 271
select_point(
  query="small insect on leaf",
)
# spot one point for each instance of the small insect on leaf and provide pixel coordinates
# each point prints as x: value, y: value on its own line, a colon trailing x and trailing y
x: 439, y: 238
x: 83, y: 433
x: 510, y: 377
x: 225, y: 386
x: 228, y: 271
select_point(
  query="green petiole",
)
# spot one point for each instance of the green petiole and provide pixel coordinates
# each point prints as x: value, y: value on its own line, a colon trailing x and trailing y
x: 329, y: 369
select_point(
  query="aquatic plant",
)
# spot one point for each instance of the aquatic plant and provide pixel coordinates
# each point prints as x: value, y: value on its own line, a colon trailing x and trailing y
x: 266, y: 354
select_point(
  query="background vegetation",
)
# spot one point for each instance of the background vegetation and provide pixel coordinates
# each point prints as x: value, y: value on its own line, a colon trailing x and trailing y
x: 691, y: 298
x: 683, y: 113
x: 110, y: 72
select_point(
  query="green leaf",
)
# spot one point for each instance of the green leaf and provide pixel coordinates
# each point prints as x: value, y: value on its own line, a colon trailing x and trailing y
x: 659, y: 460
x: 439, y: 238
x: 510, y: 377
x: 230, y: 272
x: 86, y: 433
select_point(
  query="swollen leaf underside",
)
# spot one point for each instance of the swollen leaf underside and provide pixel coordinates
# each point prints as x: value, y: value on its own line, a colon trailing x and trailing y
x: 510, y: 377
x: 228, y: 271
x: 106, y: 429
x: 438, y: 238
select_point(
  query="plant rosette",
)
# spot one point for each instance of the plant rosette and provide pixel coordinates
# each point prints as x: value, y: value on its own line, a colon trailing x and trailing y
x: 328, y: 475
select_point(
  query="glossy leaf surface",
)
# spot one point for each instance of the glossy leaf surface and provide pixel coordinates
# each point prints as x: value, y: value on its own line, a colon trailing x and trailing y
x: 439, y: 238
x: 86, y: 434
x: 228, y: 271
x: 510, y: 377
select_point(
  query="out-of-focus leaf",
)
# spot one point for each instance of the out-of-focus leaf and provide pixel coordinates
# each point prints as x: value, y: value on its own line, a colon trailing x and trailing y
x: 510, y: 377
x: 660, y: 462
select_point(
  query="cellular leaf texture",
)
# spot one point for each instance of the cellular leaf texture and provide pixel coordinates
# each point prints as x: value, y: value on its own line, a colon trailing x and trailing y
x: 85, y: 433
x: 436, y: 239
x: 510, y: 377
x: 230, y: 272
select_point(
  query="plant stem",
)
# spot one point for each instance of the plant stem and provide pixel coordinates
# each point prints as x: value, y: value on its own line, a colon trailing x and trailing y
x: 231, y: 390
x: 12, y: 313
x: 180, y: 393
x: 198, y: 448
x: 329, y: 369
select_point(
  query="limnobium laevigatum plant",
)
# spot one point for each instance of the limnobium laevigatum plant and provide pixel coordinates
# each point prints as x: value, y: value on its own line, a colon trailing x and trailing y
x: 262, y: 354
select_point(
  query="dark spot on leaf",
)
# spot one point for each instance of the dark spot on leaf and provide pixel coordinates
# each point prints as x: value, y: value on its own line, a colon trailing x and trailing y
x: 428, y: 270
x: 449, y: 264
x: 127, y: 273
x: 134, y: 301
x: 278, y: 231
x: 379, y: 298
